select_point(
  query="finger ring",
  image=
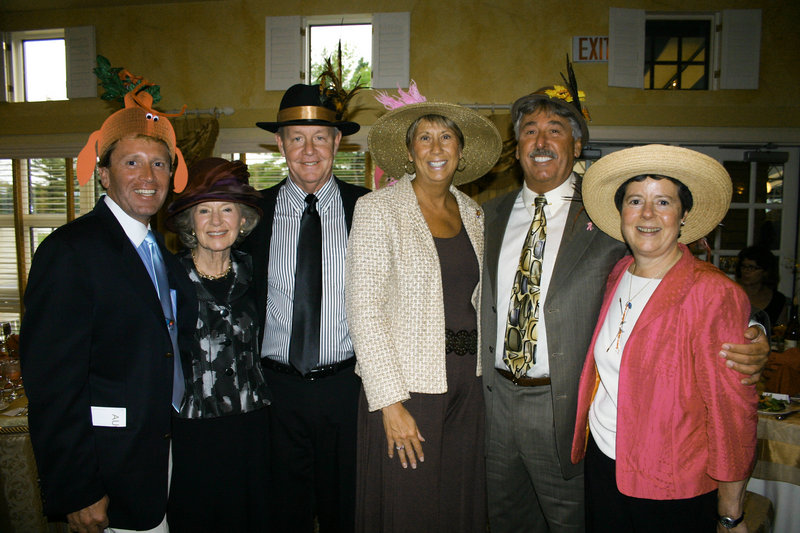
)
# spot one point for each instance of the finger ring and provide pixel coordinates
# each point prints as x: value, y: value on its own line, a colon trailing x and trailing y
x: 400, y: 447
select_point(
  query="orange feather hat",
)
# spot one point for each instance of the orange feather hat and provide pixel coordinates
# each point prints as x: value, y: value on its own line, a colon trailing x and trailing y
x: 137, y: 118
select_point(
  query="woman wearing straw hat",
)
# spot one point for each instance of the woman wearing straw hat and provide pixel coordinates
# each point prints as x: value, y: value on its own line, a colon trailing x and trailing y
x: 220, y: 472
x: 413, y: 272
x: 668, y: 432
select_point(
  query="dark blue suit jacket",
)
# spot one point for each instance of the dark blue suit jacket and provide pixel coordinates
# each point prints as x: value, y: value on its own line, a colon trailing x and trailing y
x: 94, y: 334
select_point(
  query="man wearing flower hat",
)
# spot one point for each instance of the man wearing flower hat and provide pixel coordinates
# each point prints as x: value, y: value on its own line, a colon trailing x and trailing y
x: 298, y: 252
x: 105, y: 305
x: 532, y: 356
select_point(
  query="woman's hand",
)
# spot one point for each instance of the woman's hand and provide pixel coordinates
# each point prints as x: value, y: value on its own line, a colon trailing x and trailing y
x: 730, y: 502
x: 402, y: 435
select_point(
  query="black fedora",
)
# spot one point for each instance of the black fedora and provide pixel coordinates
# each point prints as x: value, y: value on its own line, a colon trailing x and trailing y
x: 304, y: 105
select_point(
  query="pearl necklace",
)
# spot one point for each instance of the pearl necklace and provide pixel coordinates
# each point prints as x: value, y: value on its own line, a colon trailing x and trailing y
x: 210, y: 277
x: 624, y: 308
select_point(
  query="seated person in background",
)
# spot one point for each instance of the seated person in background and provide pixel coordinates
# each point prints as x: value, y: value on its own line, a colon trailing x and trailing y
x: 757, y: 273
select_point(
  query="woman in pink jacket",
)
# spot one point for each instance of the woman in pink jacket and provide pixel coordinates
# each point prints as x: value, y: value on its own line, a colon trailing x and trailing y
x: 667, y: 431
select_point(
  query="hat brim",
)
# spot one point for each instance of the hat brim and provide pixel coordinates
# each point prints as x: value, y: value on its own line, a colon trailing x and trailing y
x: 482, y: 142
x: 706, y: 178
x: 346, y: 127
x: 251, y: 199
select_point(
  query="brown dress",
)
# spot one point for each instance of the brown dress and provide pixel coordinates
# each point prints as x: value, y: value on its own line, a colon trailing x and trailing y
x: 446, y: 493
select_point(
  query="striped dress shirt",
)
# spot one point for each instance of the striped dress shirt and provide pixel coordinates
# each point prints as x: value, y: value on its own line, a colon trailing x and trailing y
x: 335, y: 343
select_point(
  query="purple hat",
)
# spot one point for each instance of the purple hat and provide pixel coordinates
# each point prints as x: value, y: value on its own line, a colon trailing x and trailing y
x: 215, y: 180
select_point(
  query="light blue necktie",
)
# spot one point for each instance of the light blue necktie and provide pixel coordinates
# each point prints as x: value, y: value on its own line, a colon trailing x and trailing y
x: 154, y: 262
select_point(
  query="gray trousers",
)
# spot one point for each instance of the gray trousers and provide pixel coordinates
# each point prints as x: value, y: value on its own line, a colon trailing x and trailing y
x: 526, y: 490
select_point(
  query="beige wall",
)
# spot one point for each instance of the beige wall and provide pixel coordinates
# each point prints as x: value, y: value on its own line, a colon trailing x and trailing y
x: 211, y: 53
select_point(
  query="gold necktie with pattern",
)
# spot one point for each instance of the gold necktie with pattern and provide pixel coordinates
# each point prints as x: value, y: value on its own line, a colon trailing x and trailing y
x: 523, y: 311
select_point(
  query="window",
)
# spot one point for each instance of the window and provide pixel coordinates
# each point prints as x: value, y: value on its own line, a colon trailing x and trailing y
x: 356, y: 46
x: 669, y: 50
x: 45, y: 203
x: 289, y: 38
x: 269, y: 168
x: 41, y: 65
x: 677, y: 54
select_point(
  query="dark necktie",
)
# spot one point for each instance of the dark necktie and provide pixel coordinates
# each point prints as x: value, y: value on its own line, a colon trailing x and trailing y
x: 523, y: 311
x: 154, y: 262
x: 304, y: 343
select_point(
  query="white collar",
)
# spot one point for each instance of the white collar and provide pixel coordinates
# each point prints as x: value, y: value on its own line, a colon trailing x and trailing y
x: 135, y: 230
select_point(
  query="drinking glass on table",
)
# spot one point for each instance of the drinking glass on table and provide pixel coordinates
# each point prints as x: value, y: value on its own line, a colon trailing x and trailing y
x: 13, y: 374
x: 5, y: 386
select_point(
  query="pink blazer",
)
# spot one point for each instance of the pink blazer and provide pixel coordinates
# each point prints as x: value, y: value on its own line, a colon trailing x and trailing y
x: 684, y: 419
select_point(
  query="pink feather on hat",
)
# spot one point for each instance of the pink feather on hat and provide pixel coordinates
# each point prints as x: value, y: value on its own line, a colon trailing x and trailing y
x: 412, y: 96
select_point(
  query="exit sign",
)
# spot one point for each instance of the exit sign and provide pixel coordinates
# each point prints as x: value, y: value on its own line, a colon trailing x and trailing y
x: 590, y: 48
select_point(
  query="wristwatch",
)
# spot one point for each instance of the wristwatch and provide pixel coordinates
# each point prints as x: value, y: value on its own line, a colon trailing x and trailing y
x: 728, y: 522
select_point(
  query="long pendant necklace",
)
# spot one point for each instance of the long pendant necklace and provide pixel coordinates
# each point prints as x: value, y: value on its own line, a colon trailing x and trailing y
x: 624, y: 308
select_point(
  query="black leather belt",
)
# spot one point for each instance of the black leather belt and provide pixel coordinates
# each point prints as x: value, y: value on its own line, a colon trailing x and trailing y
x: 316, y: 373
x: 523, y: 381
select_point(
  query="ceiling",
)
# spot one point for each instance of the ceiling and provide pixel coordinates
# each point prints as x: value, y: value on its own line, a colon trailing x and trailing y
x: 47, y: 5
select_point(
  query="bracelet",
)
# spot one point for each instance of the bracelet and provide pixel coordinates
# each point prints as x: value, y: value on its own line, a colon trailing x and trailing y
x: 728, y: 522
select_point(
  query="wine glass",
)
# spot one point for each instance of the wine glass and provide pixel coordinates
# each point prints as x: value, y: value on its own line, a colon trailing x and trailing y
x: 5, y: 386
x: 13, y: 374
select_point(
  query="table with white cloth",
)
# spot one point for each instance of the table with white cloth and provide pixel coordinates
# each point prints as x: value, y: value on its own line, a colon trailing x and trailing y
x: 20, y: 497
x: 777, y: 471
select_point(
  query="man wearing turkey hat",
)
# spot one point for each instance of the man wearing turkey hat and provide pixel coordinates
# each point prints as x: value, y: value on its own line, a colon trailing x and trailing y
x: 105, y: 306
x: 532, y: 357
x: 298, y: 252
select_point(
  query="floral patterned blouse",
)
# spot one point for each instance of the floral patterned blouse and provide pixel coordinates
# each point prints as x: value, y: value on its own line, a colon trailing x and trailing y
x: 226, y: 368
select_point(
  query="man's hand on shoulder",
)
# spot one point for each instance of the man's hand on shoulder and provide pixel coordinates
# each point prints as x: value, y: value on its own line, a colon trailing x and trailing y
x: 92, y: 519
x: 749, y: 358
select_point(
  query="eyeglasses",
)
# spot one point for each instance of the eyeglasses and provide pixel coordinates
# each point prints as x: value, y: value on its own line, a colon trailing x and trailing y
x: 750, y: 268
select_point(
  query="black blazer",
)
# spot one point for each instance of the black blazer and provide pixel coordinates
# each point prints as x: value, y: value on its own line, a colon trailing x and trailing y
x: 94, y: 334
x: 257, y: 243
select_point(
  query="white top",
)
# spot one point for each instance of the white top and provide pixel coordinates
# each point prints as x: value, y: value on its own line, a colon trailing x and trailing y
x: 608, y: 349
x: 556, y: 211
x: 335, y: 344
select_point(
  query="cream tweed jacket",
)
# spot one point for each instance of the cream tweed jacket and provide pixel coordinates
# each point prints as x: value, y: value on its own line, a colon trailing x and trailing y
x: 393, y: 294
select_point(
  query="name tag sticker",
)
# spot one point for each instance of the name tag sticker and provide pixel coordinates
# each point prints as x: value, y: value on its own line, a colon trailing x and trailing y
x: 109, y: 417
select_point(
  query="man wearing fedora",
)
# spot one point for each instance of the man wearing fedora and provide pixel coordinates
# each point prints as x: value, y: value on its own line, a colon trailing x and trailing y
x: 105, y: 305
x: 298, y: 251
x: 531, y: 367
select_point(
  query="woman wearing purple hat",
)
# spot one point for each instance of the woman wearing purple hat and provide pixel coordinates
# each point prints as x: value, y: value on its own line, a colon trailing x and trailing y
x: 220, y: 472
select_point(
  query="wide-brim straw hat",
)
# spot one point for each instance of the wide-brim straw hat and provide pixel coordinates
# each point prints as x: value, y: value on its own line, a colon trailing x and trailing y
x: 706, y: 178
x: 482, y: 142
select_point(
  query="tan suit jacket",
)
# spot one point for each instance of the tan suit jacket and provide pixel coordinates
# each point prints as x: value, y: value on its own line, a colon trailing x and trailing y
x: 393, y: 288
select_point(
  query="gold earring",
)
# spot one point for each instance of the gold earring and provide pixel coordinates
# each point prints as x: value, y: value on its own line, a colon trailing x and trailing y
x: 409, y: 169
x: 462, y: 164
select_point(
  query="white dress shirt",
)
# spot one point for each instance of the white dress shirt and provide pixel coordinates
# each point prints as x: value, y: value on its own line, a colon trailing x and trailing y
x: 556, y: 211
x: 335, y: 344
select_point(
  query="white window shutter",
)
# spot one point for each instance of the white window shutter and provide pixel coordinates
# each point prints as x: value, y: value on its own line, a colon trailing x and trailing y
x: 741, y: 48
x: 626, y: 47
x: 81, y: 59
x: 5, y: 66
x: 391, y: 36
x: 284, y: 53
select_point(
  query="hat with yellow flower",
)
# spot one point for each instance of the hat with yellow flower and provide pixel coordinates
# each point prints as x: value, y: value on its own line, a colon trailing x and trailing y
x: 566, y: 97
